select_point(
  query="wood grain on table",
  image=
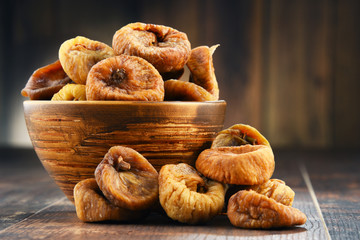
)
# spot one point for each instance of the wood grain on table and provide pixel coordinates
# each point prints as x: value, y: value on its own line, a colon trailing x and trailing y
x: 326, y: 186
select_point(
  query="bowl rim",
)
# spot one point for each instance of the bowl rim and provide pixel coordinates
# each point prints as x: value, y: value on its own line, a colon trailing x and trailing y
x: 135, y: 103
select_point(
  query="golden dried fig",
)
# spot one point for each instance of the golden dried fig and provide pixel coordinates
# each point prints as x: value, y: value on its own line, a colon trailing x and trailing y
x: 124, y: 77
x: 186, y: 196
x: 249, y: 209
x: 277, y: 190
x: 242, y: 165
x: 45, y: 82
x: 92, y: 206
x: 166, y: 48
x: 176, y: 90
x: 239, y: 134
x: 78, y: 55
x: 127, y: 179
x: 202, y: 69
x: 70, y: 92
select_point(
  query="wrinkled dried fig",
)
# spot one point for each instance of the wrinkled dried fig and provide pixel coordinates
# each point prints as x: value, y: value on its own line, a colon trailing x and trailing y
x: 70, y: 92
x: 127, y: 179
x: 78, y: 55
x: 239, y: 134
x: 45, y: 82
x: 176, y: 90
x: 92, y: 206
x: 124, y: 77
x: 186, y: 196
x: 202, y: 69
x: 243, y: 165
x: 166, y: 48
x: 249, y: 209
x: 277, y: 190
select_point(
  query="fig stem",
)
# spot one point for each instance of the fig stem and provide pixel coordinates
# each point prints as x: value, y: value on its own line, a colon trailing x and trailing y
x: 250, y: 140
x: 245, y: 139
x: 120, y: 164
x: 240, y: 140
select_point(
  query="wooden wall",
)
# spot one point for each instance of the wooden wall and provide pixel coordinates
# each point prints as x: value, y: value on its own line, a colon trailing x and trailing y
x: 289, y: 68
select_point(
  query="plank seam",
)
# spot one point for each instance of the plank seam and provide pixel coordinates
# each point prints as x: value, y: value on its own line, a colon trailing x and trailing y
x: 308, y: 184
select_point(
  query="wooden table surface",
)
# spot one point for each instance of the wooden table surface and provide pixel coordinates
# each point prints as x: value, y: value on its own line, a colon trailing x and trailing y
x: 326, y: 184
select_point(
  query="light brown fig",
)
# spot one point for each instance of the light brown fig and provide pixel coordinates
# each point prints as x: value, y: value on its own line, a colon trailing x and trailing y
x: 164, y: 47
x: 202, y: 69
x: 176, y: 90
x: 78, y: 55
x: 45, y: 82
x: 70, y: 92
x: 277, y: 190
x: 239, y: 134
x: 188, y: 197
x: 127, y: 179
x: 242, y: 165
x: 124, y: 77
x: 249, y: 209
x: 92, y: 206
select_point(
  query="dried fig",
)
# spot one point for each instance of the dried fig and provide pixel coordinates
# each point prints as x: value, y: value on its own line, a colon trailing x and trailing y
x: 176, y: 90
x: 242, y: 165
x: 45, y: 82
x: 277, y: 190
x: 127, y: 179
x: 92, y: 206
x: 71, y: 92
x: 202, y: 69
x: 249, y: 209
x: 166, y: 48
x: 186, y: 196
x: 124, y: 77
x: 78, y: 55
x: 239, y: 134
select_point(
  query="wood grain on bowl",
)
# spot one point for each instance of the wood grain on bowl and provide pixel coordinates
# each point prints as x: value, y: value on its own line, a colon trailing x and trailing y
x: 71, y: 138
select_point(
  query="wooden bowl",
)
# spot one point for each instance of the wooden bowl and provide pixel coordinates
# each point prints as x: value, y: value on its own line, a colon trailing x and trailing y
x: 71, y: 137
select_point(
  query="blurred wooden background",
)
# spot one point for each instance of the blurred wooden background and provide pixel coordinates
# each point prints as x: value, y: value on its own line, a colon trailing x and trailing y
x: 289, y: 68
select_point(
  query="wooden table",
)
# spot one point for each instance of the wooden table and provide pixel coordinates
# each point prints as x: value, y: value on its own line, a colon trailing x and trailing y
x: 326, y: 185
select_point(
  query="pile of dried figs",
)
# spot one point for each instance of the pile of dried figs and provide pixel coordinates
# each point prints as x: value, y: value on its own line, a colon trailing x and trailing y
x: 127, y: 187
x: 144, y: 63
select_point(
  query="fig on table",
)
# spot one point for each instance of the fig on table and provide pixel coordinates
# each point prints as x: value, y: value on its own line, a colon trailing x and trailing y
x: 239, y: 155
x: 277, y: 190
x: 188, y: 197
x: 127, y: 179
x: 92, y: 206
x: 249, y: 209
x: 244, y: 165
